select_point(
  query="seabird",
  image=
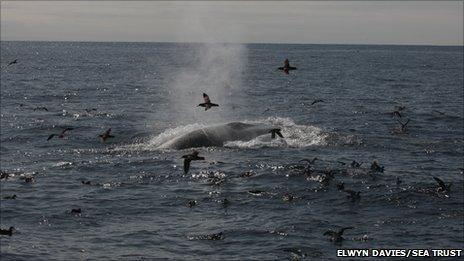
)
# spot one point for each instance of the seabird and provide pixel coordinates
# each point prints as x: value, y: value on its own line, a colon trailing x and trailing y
x: 288, y: 197
x: 274, y: 132
x: 336, y: 236
x: 341, y: 186
x: 310, y: 161
x: 189, y: 157
x: 403, y: 125
x: 225, y: 202
x: 355, y: 164
x: 286, y: 68
x: 60, y: 135
x: 207, y: 104
x: 86, y: 182
x: 28, y: 179
x: 40, y: 108
x: 10, y: 197
x: 375, y: 167
x: 328, y: 176
x: 13, y: 62
x: 307, y: 170
x: 442, y: 187
x: 256, y: 192
x: 106, y: 135
x: 191, y: 203
x: 7, y: 232
x: 4, y: 175
x: 398, y: 181
x: 316, y: 101
x: 353, y: 195
x: 76, y: 211
x: 217, y: 236
x: 396, y: 113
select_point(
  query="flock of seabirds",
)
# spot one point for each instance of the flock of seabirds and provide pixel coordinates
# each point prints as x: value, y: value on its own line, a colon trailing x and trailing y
x: 307, y: 169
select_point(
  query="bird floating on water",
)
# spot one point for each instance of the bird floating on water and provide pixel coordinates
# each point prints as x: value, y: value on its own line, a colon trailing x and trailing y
x: 336, y: 236
x: 106, y: 135
x: 7, y: 232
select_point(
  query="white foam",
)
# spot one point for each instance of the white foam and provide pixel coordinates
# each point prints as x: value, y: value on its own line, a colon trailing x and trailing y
x: 295, y: 136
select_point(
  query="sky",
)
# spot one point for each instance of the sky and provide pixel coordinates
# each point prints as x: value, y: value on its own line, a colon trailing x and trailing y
x: 312, y: 22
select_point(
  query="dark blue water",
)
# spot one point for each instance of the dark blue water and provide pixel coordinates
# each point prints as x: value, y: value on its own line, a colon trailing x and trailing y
x: 136, y: 205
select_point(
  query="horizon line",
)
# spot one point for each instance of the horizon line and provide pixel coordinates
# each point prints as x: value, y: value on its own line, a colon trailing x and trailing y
x: 276, y: 43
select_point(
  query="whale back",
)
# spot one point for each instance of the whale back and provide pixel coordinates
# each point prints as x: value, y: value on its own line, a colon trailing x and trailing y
x: 217, y: 135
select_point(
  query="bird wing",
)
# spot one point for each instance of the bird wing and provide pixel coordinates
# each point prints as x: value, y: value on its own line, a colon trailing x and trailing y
x: 440, y: 182
x: 280, y: 134
x: 403, y: 124
x: 343, y: 229
x: 51, y: 136
x: 67, y: 129
x: 206, y: 98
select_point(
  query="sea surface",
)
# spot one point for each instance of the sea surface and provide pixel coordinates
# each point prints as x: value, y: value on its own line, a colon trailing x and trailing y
x: 136, y: 205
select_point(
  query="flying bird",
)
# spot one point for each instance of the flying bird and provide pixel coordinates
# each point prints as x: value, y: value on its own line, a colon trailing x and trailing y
x: 189, y: 157
x: 442, y: 187
x: 310, y: 161
x: 317, y: 101
x: 13, y: 62
x: 106, y: 135
x: 60, y: 135
x: 403, y: 125
x: 274, y: 132
x: 286, y: 68
x: 207, y: 104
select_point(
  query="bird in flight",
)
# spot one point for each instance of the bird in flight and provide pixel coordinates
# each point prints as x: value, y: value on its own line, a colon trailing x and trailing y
x: 442, y: 187
x: 207, y: 104
x: 13, y: 62
x: 274, y: 132
x: 316, y: 101
x: 189, y: 157
x: 60, y: 135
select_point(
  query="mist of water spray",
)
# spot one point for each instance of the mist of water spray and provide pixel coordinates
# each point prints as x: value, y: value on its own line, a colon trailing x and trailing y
x: 216, y: 69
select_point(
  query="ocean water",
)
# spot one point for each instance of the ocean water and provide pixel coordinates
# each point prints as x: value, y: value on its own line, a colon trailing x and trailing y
x: 136, y: 206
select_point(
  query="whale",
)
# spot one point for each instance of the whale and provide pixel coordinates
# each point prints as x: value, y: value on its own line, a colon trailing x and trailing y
x: 218, y: 135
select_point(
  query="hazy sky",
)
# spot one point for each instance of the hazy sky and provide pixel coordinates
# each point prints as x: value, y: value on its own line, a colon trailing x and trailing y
x: 395, y: 22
